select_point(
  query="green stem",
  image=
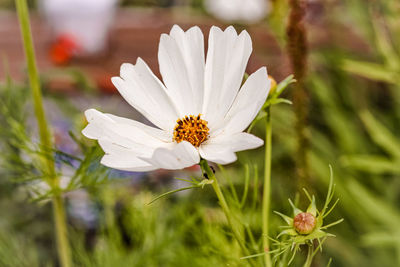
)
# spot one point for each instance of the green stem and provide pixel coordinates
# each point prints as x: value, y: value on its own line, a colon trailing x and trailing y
x: 267, y: 187
x: 23, y: 17
x: 309, y: 256
x: 44, y: 133
x: 210, y: 174
x: 61, y: 231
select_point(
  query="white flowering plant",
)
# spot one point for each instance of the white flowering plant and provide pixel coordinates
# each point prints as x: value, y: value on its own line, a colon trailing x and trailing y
x: 203, y: 112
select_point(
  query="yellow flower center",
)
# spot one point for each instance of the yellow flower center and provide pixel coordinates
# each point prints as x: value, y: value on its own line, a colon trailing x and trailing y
x: 192, y: 129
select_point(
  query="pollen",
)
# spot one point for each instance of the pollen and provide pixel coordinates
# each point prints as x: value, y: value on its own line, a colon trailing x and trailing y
x: 191, y: 129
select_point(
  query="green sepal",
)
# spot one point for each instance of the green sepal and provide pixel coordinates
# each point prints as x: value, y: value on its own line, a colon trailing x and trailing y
x: 287, y: 219
x: 291, y: 232
x: 295, y: 209
x: 312, y: 208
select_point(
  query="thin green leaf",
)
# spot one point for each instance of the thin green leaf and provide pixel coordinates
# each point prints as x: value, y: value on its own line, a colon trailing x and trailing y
x: 371, y: 71
x: 172, y: 192
x: 380, y: 134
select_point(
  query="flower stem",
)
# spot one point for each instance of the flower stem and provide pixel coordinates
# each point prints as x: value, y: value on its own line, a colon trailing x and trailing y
x: 267, y: 186
x: 210, y: 174
x: 44, y: 133
x: 309, y: 256
x: 61, y: 231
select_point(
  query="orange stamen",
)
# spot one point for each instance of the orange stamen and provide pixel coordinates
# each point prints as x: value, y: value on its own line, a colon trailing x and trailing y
x: 191, y: 129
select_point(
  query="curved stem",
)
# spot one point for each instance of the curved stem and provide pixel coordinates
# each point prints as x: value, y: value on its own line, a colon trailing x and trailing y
x: 45, y: 138
x: 267, y: 187
x: 206, y: 168
x: 309, y: 256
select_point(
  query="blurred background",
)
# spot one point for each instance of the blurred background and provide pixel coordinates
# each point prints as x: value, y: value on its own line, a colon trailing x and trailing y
x: 346, y: 112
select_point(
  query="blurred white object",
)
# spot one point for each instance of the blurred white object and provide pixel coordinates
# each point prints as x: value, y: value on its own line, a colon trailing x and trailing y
x: 244, y: 11
x: 41, y: 188
x: 86, y: 21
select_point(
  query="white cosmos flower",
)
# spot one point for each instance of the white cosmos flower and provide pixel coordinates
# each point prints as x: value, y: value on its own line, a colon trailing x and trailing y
x: 249, y: 11
x: 207, y: 92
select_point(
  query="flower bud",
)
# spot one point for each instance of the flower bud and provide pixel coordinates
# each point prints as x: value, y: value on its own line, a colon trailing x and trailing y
x: 304, y: 223
x: 273, y: 84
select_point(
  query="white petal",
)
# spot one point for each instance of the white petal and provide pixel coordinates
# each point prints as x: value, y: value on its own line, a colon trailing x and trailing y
x: 245, y: 141
x: 217, y: 153
x: 226, y: 62
x: 221, y: 149
x: 142, y: 89
x: 132, y: 165
x: 131, y: 135
x: 124, y: 140
x: 182, y: 155
x: 181, y: 59
x: 248, y: 102
x: 236, y: 142
x: 160, y: 134
x: 122, y: 158
x: 101, y: 126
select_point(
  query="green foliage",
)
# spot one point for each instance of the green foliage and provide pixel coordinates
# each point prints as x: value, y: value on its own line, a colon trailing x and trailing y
x: 357, y: 134
x: 11, y: 246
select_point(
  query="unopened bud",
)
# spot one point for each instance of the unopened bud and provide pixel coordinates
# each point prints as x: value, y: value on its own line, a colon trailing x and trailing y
x: 304, y: 223
x: 273, y: 84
